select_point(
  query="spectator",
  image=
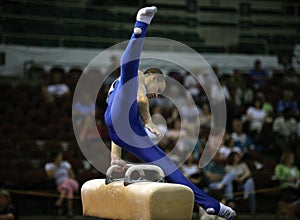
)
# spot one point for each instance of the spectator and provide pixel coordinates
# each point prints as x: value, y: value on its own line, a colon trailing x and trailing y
x: 87, y: 132
x: 248, y: 96
x: 189, y: 111
x: 56, y: 88
x: 290, y: 78
x: 240, y: 138
x: 285, y: 128
x: 258, y: 76
x: 255, y: 116
x: 286, y: 172
x: 7, y: 210
x: 214, y: 171
x: 174, y: 132
x: 239, y: 172
x: 191, y: 170
x: 244, y: 142
x: 191, y: 84
x: 188, y: 143
x: 236, y: 80
x: 267, y: 106
x: 288, y: 176
x: 287, y: 102
x: 220, y: 92
x: 177, y: 75
x: 83, y: 108
x: 205, y: 116
x: 237, y: 86
x: 227, y: 147
x: 173, y: 117
x: 64, y: 176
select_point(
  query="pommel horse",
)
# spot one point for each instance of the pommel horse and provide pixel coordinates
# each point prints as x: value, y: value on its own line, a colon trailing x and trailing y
x: 136, y: 199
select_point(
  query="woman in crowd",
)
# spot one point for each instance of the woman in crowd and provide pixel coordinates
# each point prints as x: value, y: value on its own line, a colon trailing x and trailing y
x: 286, y: 172
x: 237, y: 172
x: 64, y: 176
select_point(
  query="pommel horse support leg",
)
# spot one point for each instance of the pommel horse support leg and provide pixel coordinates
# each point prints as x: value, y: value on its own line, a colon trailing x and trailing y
x: 137, y: 201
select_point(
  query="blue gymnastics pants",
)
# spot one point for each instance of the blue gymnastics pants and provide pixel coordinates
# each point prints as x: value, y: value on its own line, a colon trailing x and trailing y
x: 122, y: 100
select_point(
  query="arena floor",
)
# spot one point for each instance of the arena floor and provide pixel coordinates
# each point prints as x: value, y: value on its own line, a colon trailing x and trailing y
x: 78, y: 217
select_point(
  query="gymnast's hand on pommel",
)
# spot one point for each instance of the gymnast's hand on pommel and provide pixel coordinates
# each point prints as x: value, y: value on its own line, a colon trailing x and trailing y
x: 119, y: 162
x: 116, y: 156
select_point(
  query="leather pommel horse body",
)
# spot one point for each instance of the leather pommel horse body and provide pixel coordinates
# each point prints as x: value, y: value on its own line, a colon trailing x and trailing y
x: 141, y: 200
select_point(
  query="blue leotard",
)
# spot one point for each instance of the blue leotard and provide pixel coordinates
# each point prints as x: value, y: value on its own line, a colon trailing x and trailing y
x: 139, y: 144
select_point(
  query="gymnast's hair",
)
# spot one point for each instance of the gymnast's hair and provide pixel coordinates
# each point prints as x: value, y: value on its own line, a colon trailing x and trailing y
x: 154, y: 71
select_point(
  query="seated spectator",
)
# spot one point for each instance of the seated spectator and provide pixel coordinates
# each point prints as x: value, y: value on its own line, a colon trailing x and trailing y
x: 87, y: 130
x: 245, y: 143
x: 221, y: 91
x: 64, y: 176
x: 285, y: 128
x: 83, y: 108
x: 237, y: 172
x: 191, y: 170
x: 227, y: 147
x: 189, y: 110
x: 288, y: 176
x: 7, y: 210
x: 287, y: 102
x: 286, y: 172
x: 214, y: 171
x: 255, y: 116
x: 237, y: 86
x: 56, y: 87
x: 205, y: 116
x: 174, y: 132
x: 267, y: 106
x: 177, y: 75
x: 240, y: 138
x: 258, y: 76
x: 191, y: 84
x: 237, y: 82
x: 172, y: 117
x: 290, y: 77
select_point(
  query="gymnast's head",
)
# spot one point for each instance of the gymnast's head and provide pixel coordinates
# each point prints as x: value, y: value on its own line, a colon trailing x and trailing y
x: 154, y: 82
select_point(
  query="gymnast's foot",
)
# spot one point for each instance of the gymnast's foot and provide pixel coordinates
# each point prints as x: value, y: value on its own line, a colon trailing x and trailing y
x: 146, y: 14
x: 225, y: 212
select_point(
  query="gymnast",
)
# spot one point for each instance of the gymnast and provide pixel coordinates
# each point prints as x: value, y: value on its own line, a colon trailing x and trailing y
x: 127, y: 116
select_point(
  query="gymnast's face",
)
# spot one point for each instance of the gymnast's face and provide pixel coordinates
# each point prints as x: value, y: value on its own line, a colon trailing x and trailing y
x: 155, y: 84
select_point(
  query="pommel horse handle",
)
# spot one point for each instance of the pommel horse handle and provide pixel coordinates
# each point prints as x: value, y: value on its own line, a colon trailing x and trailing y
x: 131, y: 168
x: 142, y: 167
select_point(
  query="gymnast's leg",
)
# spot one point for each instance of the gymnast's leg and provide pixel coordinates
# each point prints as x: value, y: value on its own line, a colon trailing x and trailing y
x: 129, y: 68
x: 156, y: 156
